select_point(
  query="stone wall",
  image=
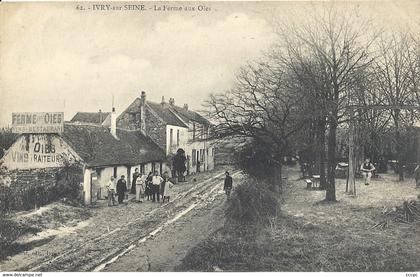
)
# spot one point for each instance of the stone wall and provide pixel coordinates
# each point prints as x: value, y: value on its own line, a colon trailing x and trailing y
x: 27, y: 189
x: 155, y: 129
x: 128, y: 119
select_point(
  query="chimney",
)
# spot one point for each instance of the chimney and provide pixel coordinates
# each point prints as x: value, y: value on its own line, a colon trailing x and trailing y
x: 114, y: 123
x: 100, y: 116
x: 143, y: 97
x: 171, y: 101
x: 186, y: 107
x: 143, y: 113
x: 163, y: 100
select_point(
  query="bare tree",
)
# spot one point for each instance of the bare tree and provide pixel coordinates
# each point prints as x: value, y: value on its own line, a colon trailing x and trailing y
x: 332, y: 49
x: 261, y: 106
x: 397, y: 77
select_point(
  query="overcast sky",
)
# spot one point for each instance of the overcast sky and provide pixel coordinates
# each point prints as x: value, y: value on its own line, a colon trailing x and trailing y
x: 54, y: 57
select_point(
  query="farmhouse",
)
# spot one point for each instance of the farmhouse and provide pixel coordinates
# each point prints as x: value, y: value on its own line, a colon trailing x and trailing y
x: 172, y: 128
x: 100, y: 151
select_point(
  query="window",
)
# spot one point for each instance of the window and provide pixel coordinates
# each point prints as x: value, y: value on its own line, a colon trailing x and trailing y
x: 193, y: 130
x: 142, y: 171
x: 153, y: 167
x: 177, y: 137
x: 171, y: 137
x: 115, y: 172
x: 138, y: 117
x: 193, y: 156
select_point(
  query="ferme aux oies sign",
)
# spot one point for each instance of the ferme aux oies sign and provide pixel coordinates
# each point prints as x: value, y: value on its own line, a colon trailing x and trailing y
x: 40, y: 145
x: 38, y: 123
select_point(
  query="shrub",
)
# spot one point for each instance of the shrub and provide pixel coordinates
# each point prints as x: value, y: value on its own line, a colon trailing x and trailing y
x: 252, y: 203
x: 10, y: 231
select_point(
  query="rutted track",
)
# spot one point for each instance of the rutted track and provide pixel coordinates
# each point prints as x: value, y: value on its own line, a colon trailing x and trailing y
x: 95, y: 253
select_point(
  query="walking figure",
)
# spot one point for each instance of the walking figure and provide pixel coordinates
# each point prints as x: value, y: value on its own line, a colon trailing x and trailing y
x: 121, y: 189
x: 111, y: 191
x: 367, y: 168
x: 228, y: 184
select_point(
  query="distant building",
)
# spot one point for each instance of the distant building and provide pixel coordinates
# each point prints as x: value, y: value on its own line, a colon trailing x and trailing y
x: 172, y: 128
x: 103, y: 152
x: 99, y: 118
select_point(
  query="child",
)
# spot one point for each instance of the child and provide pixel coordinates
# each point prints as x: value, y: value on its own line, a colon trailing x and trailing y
x: 168, y: 191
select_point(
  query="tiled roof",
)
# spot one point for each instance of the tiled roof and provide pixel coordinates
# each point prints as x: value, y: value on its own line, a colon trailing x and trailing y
x: 97, y: 147
x: 188, y: 115
x: 166, y: 114
x: 94, y: 118
x: 142, y: 146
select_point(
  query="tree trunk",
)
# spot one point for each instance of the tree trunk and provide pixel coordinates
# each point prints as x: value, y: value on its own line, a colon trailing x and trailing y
x: 330, y: 189
x: 276, y: 184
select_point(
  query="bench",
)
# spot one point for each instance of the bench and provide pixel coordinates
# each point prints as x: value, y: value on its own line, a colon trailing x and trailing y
x: 313, y: 182
x: 308, y: 183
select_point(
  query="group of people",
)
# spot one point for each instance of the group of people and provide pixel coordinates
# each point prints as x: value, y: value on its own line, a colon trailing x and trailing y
x: 153, y: 186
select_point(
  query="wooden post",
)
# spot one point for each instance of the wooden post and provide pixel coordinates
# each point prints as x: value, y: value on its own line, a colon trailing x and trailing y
x: 351, y: 182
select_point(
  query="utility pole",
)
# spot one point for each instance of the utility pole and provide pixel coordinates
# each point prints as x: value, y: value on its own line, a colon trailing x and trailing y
x: 351, y: 181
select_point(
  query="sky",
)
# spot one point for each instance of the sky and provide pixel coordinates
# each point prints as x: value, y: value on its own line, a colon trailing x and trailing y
x: 54, y: 57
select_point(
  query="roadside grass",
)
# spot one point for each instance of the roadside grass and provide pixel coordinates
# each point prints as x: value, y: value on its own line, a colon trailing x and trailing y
x: 17, y: 229
x: 310, y: 235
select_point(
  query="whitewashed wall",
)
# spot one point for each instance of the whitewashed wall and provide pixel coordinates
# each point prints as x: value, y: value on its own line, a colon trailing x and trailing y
x: 38, y: 151
x: 183, y: 138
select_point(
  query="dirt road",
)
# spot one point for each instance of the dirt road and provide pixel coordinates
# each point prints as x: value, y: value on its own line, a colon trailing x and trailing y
x: 133, y: 237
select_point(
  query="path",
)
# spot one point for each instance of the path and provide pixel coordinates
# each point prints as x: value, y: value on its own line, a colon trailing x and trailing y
x: 112, y: 230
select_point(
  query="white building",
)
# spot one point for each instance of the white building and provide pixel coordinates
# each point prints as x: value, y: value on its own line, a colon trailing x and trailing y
x: 172, y: 128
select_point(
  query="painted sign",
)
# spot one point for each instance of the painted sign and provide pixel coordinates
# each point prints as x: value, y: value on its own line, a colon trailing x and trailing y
x: 38, y: 151
x: 37, y: 123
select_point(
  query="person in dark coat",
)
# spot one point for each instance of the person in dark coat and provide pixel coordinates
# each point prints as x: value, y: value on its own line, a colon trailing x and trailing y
x: 228, y: 184
x: 121, y: 188
x: 136, y: 174
x: 148, y: 190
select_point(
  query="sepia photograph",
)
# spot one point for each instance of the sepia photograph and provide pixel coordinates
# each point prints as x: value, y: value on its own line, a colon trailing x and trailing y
x: 210, y: 136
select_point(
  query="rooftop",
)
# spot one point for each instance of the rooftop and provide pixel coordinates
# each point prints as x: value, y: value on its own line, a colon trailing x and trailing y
x: 98, y: 147
x: 90, y: 117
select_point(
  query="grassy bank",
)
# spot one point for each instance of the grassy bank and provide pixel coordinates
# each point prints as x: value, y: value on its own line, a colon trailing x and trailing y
x: 310, y: 236
x: 20, y: 231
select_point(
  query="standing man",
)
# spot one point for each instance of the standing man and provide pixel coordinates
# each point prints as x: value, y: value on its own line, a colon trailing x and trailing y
x: 121, y: 189
x: 136, y: 174
x: 111, y: 191
x: 156, y: 181
x: 228, y: 184
x: 367, y: 168
x: 140, y: 183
